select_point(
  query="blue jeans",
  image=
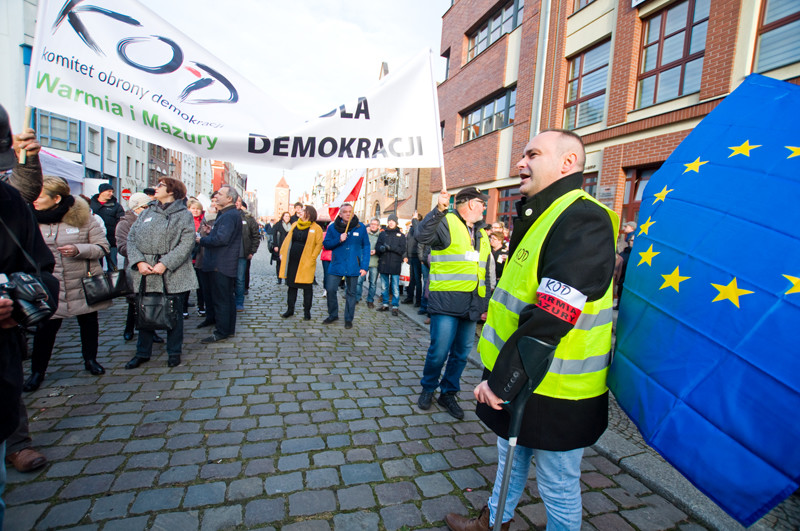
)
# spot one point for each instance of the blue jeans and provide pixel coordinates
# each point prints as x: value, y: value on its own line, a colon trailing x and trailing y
x: 558, y: 477
x: 2, y: 482
x: 241, y: 272
x: 372, y: 276
x: 451, y: 341
x: 332, y: 288
x: 144, y: 342
x: 391, y: 282
x: 424, y: 300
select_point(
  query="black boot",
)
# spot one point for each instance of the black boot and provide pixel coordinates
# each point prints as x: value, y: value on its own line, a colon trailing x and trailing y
x: 93, y: 367
x: 33, y: 382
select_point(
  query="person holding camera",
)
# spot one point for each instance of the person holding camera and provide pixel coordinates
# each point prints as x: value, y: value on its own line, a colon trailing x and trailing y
x: 78, y: 242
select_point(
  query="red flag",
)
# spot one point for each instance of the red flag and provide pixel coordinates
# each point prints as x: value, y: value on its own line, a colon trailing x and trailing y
x: 348, y: 195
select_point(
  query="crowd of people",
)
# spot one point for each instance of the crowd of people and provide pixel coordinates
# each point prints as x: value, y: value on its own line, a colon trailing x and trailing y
x: 460, y: 271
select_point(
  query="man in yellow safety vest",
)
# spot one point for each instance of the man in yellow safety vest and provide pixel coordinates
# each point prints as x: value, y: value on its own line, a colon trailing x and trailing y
x: 555, y: 295
x: 458, y: 291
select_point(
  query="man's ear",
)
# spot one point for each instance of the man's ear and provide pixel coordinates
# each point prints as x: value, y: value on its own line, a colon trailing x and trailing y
x: 568, y: 163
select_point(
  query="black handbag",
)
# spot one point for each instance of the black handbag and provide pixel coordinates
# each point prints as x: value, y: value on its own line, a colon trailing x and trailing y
x: 104, y: 287
x: 156, y: 310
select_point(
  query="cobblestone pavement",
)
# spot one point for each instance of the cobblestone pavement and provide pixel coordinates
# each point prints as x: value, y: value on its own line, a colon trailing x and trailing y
x: 294, y: 425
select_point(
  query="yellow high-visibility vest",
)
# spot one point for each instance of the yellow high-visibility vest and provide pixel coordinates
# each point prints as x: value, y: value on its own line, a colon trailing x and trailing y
x: 582, y: 357
x: 460, y: 267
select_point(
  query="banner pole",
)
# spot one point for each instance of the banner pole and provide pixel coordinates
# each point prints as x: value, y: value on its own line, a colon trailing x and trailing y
x: 23, y: 154
x: 444, y: 179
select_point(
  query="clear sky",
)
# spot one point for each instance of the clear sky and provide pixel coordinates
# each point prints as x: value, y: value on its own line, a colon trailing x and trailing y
x: 310, y: 55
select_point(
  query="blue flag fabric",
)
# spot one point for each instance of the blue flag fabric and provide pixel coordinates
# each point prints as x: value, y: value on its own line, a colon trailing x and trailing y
x: 707, y: 360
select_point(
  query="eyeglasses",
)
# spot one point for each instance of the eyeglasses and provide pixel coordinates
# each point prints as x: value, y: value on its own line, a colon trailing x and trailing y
x: 159, y: 185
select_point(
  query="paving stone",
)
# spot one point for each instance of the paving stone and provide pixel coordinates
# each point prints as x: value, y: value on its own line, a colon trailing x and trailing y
x: 284, y: 483
x: 361, y: 473
x: 205, y: 494
x: 311, y: 502
x: 151, y: 501
x: 649, y: 519
x: 115, y: 506
x: 388, y: 451
x: 188, y: 520
x: 432, y: 462
x: 134, y: 480
x: 291, y: 446
x: 293, y: 462
x: 65, y: 468
x: 179, y: 474
x: 360, y: 521
x: 396, y: 493
x: 114, y: 433
x: 264, y: 511
x: 65, y: 514
x: 220, y: 439
x: 359, y: 497
x: 223, y: 452
x: 308, y: 525
x: 595, y: 480
x: 487, y: 454
x: 132, y: 523
x: 467, y: 478
x: 148, y: 460
x: 610, y: 522
x: 98, y: 449
x: 338, y: 441
x: 366, y: 438
x: 188, y: 457
x: 245, y: 488
x: 597, y: 503
x: 259, y: 467
x: 330, y: 458
x: 433, y: 485
x: 401, y: 516
x: 399, y: 468
x: 87, y: 486
x: 434, y: 510
x: 221, y: 518
x: 536, y: 513
x: 23, y: 517
x: 321, y: 478
x: 623, y: 498
x: 461, y: 458
x: 221, y: 470
x: 187, y: 440
x: 359, y: 454
x: 263, y: 449
x: 631, y: 485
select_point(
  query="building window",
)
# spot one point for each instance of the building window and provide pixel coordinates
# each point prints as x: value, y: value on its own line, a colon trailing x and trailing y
x: 490, y: 116
x: 128, y: 166
x: 586, y: 87
x: 590, y: 183
x: 506, y: 205
x: 502, y: 21
x: 580, y: 4
x: 778, y: 35
x: 92, y: 144
x: 58, y: 131
x: 674, y: 42
x: 111, y: 149
x: 635, y: 183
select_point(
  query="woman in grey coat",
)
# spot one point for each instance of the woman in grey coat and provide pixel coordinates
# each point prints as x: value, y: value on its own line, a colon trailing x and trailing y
x: 160, y: 245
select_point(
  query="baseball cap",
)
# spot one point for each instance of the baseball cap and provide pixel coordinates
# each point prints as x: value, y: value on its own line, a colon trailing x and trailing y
x: 470, y: 193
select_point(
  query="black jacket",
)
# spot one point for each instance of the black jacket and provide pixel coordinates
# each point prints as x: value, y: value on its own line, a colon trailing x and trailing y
x: 391, y: 249
x: 434, y: 231
x: 278, y: 235
x: 411, y: 240
x: 111, y: 212
x: 18, y: 216
x: 222, y: 246
x: 579, y: 251
x: 251, y: 239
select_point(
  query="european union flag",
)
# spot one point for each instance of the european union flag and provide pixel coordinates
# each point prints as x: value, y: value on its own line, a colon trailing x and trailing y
x: 708, y: 357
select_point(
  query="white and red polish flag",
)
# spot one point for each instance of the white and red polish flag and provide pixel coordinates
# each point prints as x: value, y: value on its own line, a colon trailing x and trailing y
x: 348, y: 194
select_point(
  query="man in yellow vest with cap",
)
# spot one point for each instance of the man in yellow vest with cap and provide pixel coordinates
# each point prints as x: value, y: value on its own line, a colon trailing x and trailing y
x: 554, y: 299
x: 458, y: 292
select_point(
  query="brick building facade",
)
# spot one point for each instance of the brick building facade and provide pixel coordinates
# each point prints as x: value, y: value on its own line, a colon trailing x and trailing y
x: 631, y: 77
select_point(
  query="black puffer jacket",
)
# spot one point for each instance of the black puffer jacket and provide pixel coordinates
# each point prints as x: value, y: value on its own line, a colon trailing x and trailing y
x: 111, y: 212
x: 391, y: 249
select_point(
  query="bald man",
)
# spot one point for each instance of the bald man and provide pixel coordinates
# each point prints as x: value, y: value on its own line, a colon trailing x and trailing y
x: 554, y: 299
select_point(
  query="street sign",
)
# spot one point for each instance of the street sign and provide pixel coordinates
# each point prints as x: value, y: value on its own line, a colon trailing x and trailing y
x: 126, y: 194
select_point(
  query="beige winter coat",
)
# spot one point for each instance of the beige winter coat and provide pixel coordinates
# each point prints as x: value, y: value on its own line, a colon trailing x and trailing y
x: 79, y: 228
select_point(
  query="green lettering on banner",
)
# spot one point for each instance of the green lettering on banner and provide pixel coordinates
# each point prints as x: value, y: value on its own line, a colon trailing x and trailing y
x: 150, y: 122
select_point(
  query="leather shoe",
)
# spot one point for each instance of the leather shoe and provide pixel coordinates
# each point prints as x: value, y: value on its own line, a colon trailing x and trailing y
x: 135, y: 362
x: 26, y: 460
x: 370, y: 305
x: 94, y: 368
x: 287, y: 314
x: 329, y: 320
x: 448, y: 401
x: 456, y: 522
x: 383, y: 309
x: 307, y: 317
x: 395, y: 312
x: 157, y: 338
x: 408, y: 301
x: 213, y: 338
x: 173, y: 361
x: 205, y: 323
x: 33, y: 382
x: 425, y: 399
x: 348, y: 324
x: 127, y: 336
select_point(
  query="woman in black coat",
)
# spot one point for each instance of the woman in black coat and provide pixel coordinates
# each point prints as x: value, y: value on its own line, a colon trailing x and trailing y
x: 279, y: 233
x: 391, y: 251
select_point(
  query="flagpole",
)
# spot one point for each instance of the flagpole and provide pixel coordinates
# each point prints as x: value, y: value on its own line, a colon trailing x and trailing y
x: 23, y: 154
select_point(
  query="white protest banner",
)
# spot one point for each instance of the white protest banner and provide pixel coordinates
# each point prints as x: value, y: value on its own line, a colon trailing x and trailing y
x: 121, y: 66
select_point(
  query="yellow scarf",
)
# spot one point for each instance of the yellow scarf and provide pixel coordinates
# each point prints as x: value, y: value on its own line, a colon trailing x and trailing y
x: 303, y: 225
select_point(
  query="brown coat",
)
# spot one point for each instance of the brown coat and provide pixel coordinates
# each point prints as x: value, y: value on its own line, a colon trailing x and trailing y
x: 308, y: 260
x: 78, y: 228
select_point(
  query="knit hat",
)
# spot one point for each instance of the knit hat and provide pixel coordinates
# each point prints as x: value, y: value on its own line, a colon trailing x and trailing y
x: 137, y: 200
x: 103, y: 187
x: 392, y: 217
x: 7, y: 157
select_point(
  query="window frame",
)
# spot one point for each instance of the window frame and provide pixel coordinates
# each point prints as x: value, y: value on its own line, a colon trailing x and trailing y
x: 591, y: 181
x: 766, y: 28
x: 635, y: 180
x: 581, y: 75
x: 47, y: 138
x: 686, y: 56
x: 495, y: 24
x: 580, y: 4
x: 508, y: 113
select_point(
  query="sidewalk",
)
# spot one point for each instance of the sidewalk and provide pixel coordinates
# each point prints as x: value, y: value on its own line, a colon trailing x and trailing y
x: 295, y: 426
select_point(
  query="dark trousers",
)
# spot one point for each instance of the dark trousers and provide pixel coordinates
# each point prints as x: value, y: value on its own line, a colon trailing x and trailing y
x: 222, y: 293
x: 130, y: 320
x: 21, y: 438
x: 144, y: 343
x: 201, y: 300
x: 332, y: 287
x: 204, y: 277
x: 247, y: 276
x: 308, y: 296
x: 45, y: 338
x: 12, y: 414
x: 415, y: 284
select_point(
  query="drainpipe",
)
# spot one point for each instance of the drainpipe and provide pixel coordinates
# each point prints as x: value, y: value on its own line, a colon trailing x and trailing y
x: 541, y: 58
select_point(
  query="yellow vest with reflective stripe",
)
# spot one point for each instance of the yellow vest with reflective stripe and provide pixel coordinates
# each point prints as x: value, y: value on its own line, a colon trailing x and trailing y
x: 451, y: 270
x: 582, y: 357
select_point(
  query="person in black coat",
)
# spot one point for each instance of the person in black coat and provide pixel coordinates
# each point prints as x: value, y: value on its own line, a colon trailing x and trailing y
x: 105, y: 205
x: 279, y: 232
x: 221, y: 259
x: 391, y: 251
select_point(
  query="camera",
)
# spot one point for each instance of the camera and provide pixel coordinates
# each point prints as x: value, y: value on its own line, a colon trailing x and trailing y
x: 29, y: 296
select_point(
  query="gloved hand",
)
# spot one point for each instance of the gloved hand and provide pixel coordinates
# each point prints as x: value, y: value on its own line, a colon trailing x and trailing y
x: 523, y: 360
